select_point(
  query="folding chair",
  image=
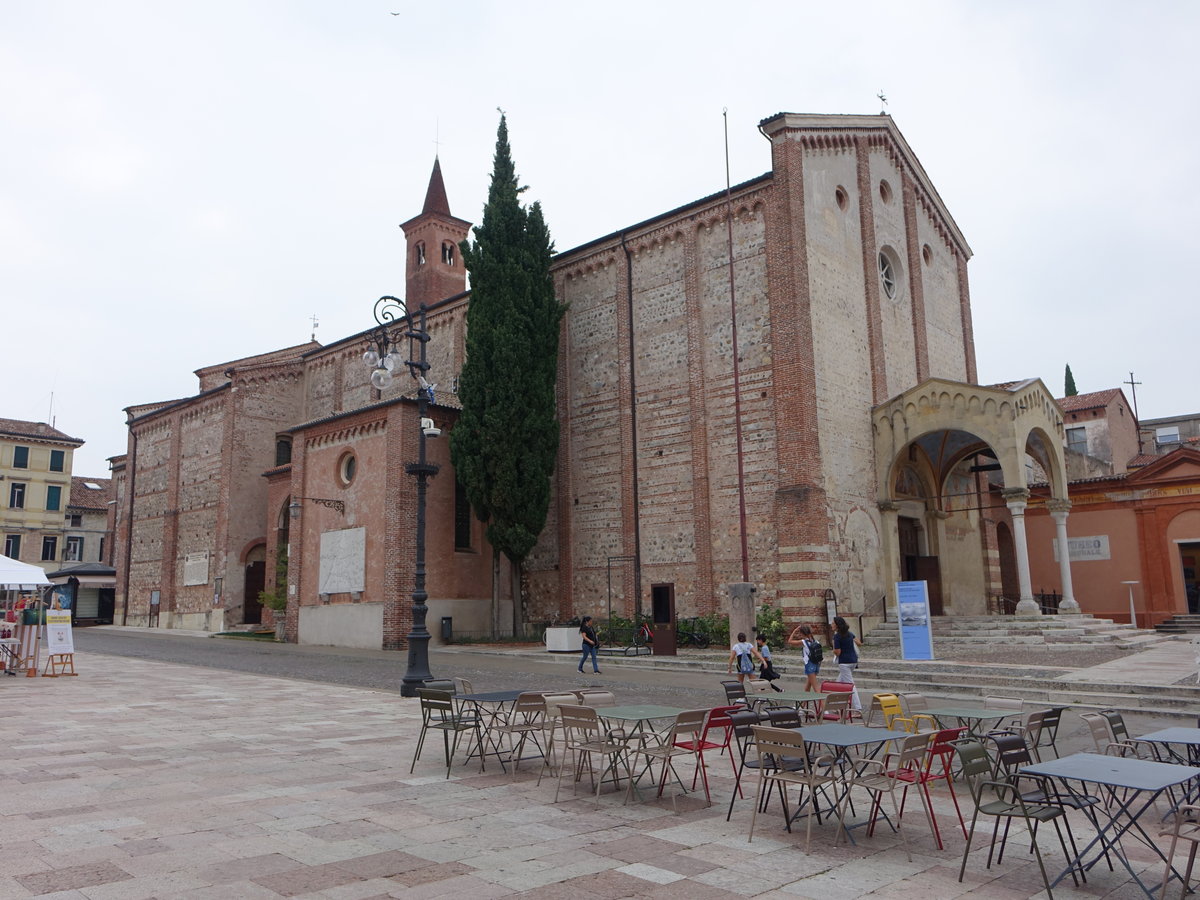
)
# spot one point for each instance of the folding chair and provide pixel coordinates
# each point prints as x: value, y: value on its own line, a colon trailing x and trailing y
x: 683, y: 738
x: 915, y: 711
x: 783, y: 760
x: 524, y: 723
x: 583, y: 739
x: 438, y: 714
x: 1013, y: 703
x: 1002, y: 800
x: 742, y: 725
x: 716, y: 718
x: 841, y: 687
x: 887, y: 707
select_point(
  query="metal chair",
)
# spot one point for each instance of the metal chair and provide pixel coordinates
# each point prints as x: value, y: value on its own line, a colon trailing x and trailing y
x: 1002, y: 800
x: 463, y: 685
x: 836, y: 707
x: 717, y: 718
x: 782, y: 716
x: 1105, y: 740
x: 438, y: 714
x: 887, y: 707
x: 832, y: 688
x: 550, y: 724
x: 915, y: 706
x: 583, y: 739
x: 524, y: 720
x: 742, y: 725
x: 783, y: 760
x: 683, y: 738
x: 1186, y: 828
x: 1016, y: 704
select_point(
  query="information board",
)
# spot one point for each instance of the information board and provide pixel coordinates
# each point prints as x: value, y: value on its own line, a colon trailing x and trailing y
x: 916, y: 631
x: 59, y: 638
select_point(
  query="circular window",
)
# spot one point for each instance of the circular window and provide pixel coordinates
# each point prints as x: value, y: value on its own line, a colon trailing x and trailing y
x: 889, y: 274
x: 927, y: 254
x: 885, y: 192
x: 347, y: 468
x: 842, y: 198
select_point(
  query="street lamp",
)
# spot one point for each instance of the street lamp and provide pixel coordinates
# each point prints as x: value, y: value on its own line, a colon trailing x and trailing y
x: 384, y: 357
x: 295, y: 506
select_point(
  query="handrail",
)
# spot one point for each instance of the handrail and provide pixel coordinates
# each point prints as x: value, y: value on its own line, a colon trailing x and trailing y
x: 866, y: 612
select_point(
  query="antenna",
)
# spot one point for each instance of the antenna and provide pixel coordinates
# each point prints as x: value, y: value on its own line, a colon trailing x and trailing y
x: 882, y: 103
x: 1133, y: 389
x: 315, y: 324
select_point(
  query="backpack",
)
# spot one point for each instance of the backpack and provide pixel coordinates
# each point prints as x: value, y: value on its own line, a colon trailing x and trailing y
x: 745, y: 663
x: 815, y: 652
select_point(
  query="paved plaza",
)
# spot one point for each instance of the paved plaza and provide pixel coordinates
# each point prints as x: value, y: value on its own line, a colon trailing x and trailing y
x: 145, y: 779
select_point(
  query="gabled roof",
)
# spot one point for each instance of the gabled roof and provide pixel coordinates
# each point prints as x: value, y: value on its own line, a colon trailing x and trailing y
x: 1182, y: 463
x: 1094, y: 400
x: 19, y: 428
x: 90, y: 493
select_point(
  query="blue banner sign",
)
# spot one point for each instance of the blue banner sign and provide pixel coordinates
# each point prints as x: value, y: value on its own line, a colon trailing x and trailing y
x: 916, y: 631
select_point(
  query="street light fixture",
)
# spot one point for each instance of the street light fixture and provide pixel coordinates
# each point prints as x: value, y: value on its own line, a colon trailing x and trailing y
x: 384, y: 357
x: 295, y: 506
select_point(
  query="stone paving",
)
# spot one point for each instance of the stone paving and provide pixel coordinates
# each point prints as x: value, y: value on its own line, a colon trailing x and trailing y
x: 143, y: 779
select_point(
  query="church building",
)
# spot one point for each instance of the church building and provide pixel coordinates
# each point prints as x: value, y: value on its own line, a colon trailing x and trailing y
x: 773, y: 384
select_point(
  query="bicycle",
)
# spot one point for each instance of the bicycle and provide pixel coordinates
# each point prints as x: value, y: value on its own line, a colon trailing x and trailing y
x: 686, y: 633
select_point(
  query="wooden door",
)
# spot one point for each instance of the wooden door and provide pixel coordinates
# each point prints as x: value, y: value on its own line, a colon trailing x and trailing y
x: 928, y: 570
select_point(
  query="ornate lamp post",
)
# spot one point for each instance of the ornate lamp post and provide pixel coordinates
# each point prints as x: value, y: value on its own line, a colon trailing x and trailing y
x: 384, y: 357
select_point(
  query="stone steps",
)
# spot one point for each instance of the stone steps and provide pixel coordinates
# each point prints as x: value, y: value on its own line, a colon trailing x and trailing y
x: 1081, y: 629
x: 1185, y: 624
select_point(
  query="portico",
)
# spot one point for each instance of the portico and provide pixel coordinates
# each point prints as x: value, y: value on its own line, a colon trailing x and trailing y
x: 941, y: 448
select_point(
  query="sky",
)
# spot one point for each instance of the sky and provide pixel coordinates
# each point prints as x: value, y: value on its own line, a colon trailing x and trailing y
x: 185, y: 184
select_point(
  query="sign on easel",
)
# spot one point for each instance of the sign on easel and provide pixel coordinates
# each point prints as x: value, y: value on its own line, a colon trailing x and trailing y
x: 916, y: 634
x: 60, y: 644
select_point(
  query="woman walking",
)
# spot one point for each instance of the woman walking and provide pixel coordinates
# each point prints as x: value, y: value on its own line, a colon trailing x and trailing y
x: 802, y: 637
x: 845, y: 649
x: 587, y: 637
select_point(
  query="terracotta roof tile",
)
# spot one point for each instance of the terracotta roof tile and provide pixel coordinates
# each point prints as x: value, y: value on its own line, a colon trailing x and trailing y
x: 19, y: 428
x: 1142, y: 459
x: 94, y: 498
x: 1093, y: 400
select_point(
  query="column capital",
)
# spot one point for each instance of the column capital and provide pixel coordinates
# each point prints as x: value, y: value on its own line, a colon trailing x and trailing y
x: 1058, y: 505
x: 888, y: 506
x: 938, y: 514
x: 1016, y: 493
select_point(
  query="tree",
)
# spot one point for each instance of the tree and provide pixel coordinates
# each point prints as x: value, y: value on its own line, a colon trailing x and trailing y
x: 505, y: 441
x: 1070, y: 390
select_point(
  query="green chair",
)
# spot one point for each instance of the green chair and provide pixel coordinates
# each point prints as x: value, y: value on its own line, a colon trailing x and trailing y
x: 438, y: 714
x: 1002, y: 800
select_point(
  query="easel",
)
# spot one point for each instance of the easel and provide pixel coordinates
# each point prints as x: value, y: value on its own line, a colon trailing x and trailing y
x: 59, y: 664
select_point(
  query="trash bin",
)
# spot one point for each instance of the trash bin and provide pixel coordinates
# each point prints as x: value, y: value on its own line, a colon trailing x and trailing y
x: 447, y: 629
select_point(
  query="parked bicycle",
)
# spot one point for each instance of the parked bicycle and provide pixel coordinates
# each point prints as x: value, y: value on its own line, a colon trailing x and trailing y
x: 687, y: 633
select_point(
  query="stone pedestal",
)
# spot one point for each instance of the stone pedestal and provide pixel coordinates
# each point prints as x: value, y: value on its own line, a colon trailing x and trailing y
x: 741, y: 610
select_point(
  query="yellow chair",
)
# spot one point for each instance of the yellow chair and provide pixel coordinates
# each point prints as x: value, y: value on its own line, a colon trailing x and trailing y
x: 889, y: 708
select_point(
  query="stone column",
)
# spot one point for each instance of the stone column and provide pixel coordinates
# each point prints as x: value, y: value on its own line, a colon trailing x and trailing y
x: 741, y: 610
x: 889, y: 543
x: 1059, y: 509
x: 1017, y: 499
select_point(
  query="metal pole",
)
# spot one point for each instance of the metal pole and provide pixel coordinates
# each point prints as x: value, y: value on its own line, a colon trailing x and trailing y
x: 418, y: 639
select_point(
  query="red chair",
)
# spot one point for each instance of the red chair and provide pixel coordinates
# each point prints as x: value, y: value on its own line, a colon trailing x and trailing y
x: 940, y: 748
x: 834, y: 687
x: 717, y: 718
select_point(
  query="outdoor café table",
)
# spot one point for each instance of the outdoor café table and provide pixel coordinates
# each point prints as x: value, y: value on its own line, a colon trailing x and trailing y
x: 490, y: 706
x: 642, y: 716
x: 970, y: 717
x: 1172, y: 738
x: 843, y: 737
x: 1126, y: 781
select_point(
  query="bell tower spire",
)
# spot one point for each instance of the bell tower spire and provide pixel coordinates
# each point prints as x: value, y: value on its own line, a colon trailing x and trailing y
x: 433, y: 268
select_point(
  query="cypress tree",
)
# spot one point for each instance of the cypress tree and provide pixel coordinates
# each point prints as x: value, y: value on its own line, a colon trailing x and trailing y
x: 1070, y: 385
x: 505, y: 442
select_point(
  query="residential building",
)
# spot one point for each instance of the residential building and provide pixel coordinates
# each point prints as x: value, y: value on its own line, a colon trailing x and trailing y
x: 35, y: 490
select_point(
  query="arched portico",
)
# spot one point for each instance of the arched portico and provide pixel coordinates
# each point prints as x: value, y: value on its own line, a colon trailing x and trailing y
x: 942, y: 434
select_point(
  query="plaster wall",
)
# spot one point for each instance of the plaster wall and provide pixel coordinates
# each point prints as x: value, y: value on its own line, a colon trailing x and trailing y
x: 1096, y: 583
x: 356, y: 625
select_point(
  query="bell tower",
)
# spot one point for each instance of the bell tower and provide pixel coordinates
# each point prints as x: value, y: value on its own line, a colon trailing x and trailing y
x: 434, y: 268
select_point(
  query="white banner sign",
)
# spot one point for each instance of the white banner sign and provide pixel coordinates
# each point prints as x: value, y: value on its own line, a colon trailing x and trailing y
x: 1086, y: 548
x: 195, y: 568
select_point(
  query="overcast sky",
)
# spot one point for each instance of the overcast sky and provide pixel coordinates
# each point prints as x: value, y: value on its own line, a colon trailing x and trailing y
x: 185, y: 184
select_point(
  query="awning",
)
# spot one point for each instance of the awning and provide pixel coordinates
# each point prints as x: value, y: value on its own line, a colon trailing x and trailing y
x: 19, y: 575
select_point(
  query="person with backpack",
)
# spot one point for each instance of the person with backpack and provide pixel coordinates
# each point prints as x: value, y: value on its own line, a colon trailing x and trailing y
x: 802, y: 637
x: 766, y: 671
x: 742, y: 655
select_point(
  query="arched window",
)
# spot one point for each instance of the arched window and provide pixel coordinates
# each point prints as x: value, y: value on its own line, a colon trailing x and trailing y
x: 419, y: 250
x: 448, y: 253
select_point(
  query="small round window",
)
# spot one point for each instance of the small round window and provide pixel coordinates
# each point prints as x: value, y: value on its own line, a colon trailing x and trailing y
x: 842, y: 198
x: 885, y: 191
x: 889, y: 275
x: 347, y: 468
x: 927, y: 254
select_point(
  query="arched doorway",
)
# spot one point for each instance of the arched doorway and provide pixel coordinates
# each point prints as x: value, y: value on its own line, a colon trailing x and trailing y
x: 1010, y: 586
x: 256, y: 580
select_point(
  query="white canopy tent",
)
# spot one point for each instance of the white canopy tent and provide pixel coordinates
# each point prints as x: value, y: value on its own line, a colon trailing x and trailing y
x: 20, y: 576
